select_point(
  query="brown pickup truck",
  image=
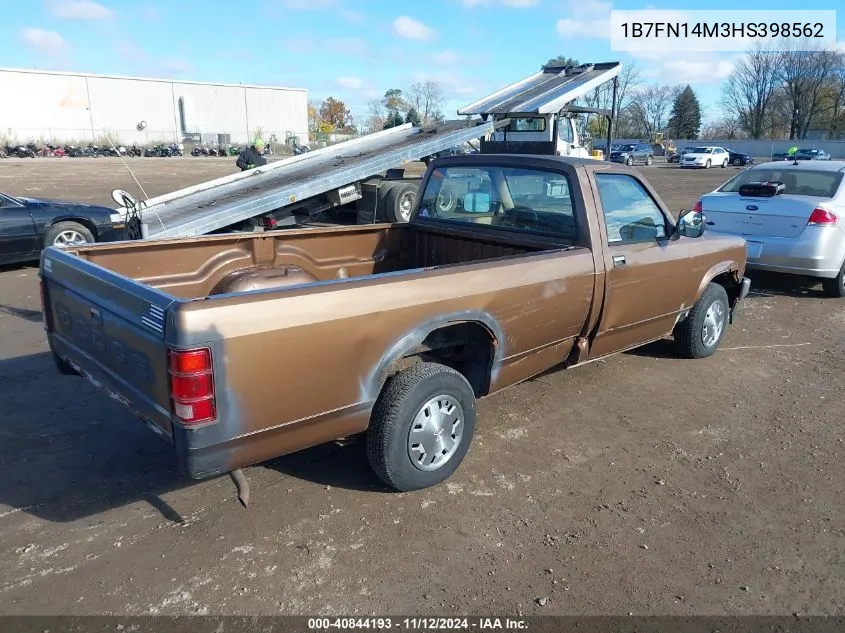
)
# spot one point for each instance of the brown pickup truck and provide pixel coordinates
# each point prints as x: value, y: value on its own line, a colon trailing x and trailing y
x: 239, y: 348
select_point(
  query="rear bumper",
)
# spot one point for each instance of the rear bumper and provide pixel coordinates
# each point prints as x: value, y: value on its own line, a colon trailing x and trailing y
x: 817, y: 252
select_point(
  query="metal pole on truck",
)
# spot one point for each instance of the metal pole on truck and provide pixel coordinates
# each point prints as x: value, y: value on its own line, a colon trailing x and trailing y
x: 612, y: 117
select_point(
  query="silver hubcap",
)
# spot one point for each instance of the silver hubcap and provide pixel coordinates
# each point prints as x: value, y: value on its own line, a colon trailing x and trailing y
x: 714, y: 321
x: 406, y: 203
x: 69, y: 238
x: 436, y: 432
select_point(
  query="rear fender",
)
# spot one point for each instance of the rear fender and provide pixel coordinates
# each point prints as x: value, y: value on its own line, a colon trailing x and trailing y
x: 413, y: 339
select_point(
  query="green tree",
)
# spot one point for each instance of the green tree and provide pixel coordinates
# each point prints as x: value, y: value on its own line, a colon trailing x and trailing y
x: 413, y: 117
x: 685, y: 119
x: 562, y: 60
x: 334, y: 113
x: 393, y: 119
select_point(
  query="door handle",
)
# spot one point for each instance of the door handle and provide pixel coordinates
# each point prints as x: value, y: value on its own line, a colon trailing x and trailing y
x: 618, y: 260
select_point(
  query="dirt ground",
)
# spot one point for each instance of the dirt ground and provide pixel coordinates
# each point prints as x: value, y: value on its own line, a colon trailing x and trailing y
x: 643, y: 484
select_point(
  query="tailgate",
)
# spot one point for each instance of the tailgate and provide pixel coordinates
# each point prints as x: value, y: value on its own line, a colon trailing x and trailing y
x: 112, y: 330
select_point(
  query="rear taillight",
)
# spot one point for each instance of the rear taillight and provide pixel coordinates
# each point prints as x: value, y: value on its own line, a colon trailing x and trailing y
x: 269, y: 223
x: 697, y: 207
x: 822, y: 217
x: 192, y: 386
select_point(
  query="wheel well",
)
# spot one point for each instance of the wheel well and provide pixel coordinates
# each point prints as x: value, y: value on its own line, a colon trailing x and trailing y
x: 86, y: 223
x: 465, y: 347
x: 728, y: 280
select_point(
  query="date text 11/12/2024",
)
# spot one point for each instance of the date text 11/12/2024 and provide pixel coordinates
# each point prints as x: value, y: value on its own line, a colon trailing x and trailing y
x: 416, y: 623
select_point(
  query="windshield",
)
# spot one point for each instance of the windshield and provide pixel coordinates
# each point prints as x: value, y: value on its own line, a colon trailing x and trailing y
x: 626, y: 148
x: 5, y: 198
x: 521, y: 199
x: 701, y: 150
x: 797, y: 182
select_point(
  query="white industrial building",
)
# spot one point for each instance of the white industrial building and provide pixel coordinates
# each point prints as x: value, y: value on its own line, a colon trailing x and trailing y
x: 76, y: 108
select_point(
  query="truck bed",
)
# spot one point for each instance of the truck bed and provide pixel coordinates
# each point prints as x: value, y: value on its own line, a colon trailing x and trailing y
x: 209, y: 266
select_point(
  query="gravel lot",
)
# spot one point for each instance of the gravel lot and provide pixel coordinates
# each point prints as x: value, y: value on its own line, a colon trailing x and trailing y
x: 641, y: 484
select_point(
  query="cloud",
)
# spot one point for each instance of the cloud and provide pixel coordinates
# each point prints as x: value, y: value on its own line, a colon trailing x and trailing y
x: 446, y: 58
x: 593, y: 21
x: 79, y: 10
x: 408, y: 27
x: 45, y: 42
x: 685, y: 68
x: 350, y: 82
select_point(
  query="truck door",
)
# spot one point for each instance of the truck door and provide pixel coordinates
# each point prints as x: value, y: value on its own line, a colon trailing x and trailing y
x: 646, y: 273
x: 17, y: 230
x: 565, y: 136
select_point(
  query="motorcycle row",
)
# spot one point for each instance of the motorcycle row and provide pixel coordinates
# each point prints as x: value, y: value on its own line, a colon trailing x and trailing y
x: 31, y: 150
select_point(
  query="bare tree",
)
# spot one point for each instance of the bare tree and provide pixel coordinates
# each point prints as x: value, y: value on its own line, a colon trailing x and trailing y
x: 377, y: 115
x: 747, y: 95
x: 721, y: 129
x: 804, y: 72
x: 602, y: 96
x: 427, y: 98
x: 836, y: 98
x: 650, y: 107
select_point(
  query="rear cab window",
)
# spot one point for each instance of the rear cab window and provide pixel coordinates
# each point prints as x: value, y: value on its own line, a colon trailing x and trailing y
x: 797, y: 182
x: 525, y: 200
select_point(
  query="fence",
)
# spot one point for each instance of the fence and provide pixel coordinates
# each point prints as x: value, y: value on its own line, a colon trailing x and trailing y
x: 761, y: 148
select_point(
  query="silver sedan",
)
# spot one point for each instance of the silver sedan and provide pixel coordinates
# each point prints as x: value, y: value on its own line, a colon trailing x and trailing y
x: 791, y: 215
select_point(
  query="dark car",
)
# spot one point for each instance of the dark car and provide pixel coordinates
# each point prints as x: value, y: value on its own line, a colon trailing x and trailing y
x: 812, y: 154
x: 631, y: 153
x: 27, y: 225
x: 675, y: 157
x: 739, y: 159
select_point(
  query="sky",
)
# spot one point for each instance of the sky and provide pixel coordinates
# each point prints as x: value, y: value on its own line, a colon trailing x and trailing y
x: 352, y: 50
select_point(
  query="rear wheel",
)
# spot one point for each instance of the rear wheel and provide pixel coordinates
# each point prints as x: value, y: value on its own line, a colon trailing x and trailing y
x: 66, y: 234
x: 421, y: 427
x: 649, y: 160
x: 399, y: 202
x: 835, y: 287
x: 737, y: 162
x: 724, y: 163
x: 629, y: 161
x: 699, y: 335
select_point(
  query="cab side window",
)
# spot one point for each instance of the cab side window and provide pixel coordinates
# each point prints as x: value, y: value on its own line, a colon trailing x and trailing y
x: 630, y: 213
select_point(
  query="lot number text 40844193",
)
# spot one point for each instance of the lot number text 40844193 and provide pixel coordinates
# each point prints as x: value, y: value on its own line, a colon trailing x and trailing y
x: 417, y: 623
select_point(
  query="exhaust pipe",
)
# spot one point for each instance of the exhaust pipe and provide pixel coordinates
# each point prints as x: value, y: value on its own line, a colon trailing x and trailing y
x: 242, y: 485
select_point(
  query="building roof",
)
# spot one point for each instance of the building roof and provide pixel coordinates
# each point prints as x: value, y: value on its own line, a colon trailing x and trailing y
x: 30, y: 71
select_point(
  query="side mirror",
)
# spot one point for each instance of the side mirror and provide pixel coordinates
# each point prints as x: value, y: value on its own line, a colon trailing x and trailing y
x: 124, y: 199
x: 690, y: 224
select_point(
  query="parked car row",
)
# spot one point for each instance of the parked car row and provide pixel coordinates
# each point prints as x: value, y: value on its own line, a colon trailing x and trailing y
x: 802, y: 154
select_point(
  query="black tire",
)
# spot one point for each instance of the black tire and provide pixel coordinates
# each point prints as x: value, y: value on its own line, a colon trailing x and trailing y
x: 399, y: 202
x: 724, y: 163
x: 402, y: 399
x: 737, y: 162
x: 62, y: 229
x: 835, y: 287
x: 649, y: 160
x: 707, y: 164
x: 629, y: 161
x: 689, y: 334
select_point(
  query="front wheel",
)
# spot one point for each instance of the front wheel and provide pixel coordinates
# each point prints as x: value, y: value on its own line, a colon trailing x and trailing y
x: 724, y: 163
x: 649, y: 160
x: 700, y: 334
x: 421, y: 427
x: 835, y: 287
x: 629, y: 162
x: 707, y: 164
x: 65, y: 234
